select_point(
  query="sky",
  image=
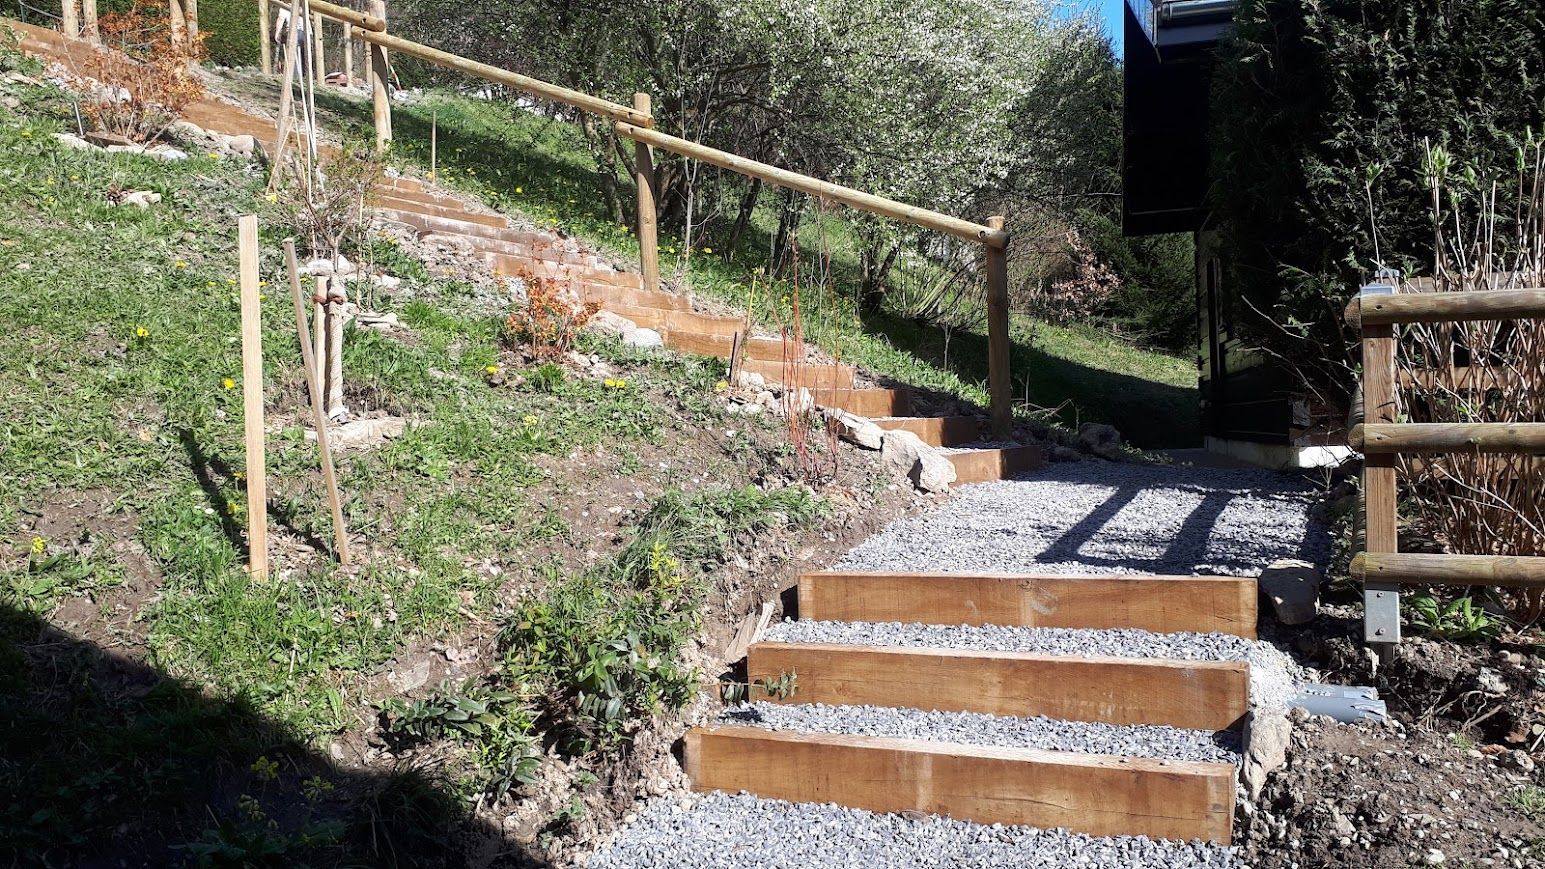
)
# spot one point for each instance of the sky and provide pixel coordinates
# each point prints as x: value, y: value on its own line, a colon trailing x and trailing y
x: 1109, y: 13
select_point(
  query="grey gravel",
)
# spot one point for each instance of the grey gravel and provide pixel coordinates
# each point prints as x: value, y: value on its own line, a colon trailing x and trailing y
x: 1108, y: 517
x: 975, y: 728
x: 1273, y: 675
x: 743, y: 832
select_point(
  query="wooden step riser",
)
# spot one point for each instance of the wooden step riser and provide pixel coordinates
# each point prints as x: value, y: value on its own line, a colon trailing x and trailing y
x: 455, y: 211
x: 765, y: 349
x: 937, y: 431
x: 983, y: 466
x: 1200, y: 695
x: 545, y: 250
x: 811, y: 373
x: 426, y: 223
x: 1162, y: 604
x: 1093, y: 794
x: 866, y: 402
x: 668, y: 321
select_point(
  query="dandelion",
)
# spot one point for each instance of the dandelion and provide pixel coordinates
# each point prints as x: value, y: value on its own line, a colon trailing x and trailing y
x: 239, y: 475
x: 228, y: 383
x: 529, y: 420
x: 211, y: 285
x: 520, y: 190
x: 213, y: 155
x: 74, y: 177
x: 265, y: 769
x: 233, y: 508
x: 615, y: 383
x: 26, y: 134
x: 180, y: 264
x: 231, y: 281
x: 39, y: 545
x: 141, y: 332
x: 49, y: 181
x: 272, y: 197
x: 492, y: 369
x: 721, y: 386
x: 262, y: 283
x: 707, y: 250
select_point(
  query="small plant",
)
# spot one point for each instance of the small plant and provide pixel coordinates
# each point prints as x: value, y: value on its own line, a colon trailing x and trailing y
x: 145, y: 80
x: 495, y: 722
x: 549, y: 320
x: 1459, y: 619
x: 1528, y: 801
x: 328, y: 205
x: 781, y: 687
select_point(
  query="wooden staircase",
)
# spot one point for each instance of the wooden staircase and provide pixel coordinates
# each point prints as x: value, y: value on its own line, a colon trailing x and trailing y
x: 1100, y: 795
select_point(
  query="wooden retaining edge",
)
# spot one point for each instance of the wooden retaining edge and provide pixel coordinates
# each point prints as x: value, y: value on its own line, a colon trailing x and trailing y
x: 756, y: 347
x: 981, y: 466
x: 936, y: 431
x: 1163, y: 604
x: 866, y: 402
x: 819, y: 373
x: 1199, y: 695
x: 450, y: 210
x: 1100, y: 795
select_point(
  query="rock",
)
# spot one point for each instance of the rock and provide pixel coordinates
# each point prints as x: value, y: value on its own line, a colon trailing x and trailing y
x: 386, y: 282
x: 750, y: 380
x: 856, y: 429
x: 1100, y: 439
x: 10, y: 102
x: 165, y: 152
x: 643, y: 338
x: 340, y: 266
x: 801, y: 401
x: 105, y: 139
x: 72, y: 141
x: 1434, y: 857
x: 1491, y: 682
x: 1517, y: 759
x: 245, y: 145
x: 141, y: 198
x: 1293, y: 586
x: 1065, y: 454
x: 361, y: 433
x: 899, y: 450
x: 933, y: 472
x: 607, y: 323
x: 1266, y: 738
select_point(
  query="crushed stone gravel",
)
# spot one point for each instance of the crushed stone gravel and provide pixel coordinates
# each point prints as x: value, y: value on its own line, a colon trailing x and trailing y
x: 975, y: 728
x: 1273, y: 675
x: 1109, y: 517
x: 744, y: 832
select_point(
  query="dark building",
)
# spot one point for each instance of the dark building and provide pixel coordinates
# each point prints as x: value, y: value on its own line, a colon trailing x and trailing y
x: 1249, y: 407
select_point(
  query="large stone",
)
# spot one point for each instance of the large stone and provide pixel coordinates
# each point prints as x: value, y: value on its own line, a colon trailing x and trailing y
x: 856, y: 429
x: 245, y: 144
x: 899, y: 451
x: 608, y: 323
x: 1100, y: 439
x: 74, y: 142
x: 933, y: 471
x: 1267, y: 734
x: 643, y: 338
x: 106, y: 139
x: 141, y: 198
x: 1293, y: 587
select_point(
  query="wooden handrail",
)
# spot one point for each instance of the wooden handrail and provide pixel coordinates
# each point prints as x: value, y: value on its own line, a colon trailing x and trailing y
x: 923, y: 217
x: 1390, y: 309
x: 362, y: 20
x: 1448, y: 437
x: 546, y: 90
x: 1441, y: 569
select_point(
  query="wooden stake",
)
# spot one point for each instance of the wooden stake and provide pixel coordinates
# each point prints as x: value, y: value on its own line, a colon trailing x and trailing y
x: 70, y: 18
x: 286, y: 94
x: 252, y: 396
x: 348, y: 52
x: 265, y: 38
x: 648, y: 232
x: 89, y: 21
x: 380, y: 96
x: 1000, y: 383
x: 318, y: 53
x: 319, y: 333
x: 434, y: 143
x: 318, y: 415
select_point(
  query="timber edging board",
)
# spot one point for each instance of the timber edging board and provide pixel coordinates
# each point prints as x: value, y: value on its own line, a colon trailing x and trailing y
x: 1100, y: 795
x: 1163, y: 604
x: 1199, y: 695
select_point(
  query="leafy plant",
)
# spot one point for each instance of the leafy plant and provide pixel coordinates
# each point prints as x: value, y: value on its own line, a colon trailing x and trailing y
x: 496, y: 722
x: 144, y: 75
x: 550, y: 318
x: 781, y: 687
x: 1528, y: 800
x: 1459, y: 619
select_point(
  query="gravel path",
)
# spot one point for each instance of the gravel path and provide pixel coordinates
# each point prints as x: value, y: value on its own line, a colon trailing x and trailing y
x: 1273, y: 675
x: 975, y: 728
x: 743, y: 832
x: 1105, y: 517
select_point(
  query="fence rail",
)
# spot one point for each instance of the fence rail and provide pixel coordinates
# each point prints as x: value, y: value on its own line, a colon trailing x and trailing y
x: 1382, y: 439
x: 636, y: 123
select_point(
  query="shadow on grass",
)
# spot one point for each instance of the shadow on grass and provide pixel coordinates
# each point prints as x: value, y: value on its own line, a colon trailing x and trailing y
x: 112, y: 763
x: 1149, y: 414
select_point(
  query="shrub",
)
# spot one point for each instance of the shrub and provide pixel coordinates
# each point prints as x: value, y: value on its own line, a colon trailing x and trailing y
x: 144, y: 78
x: 550, y: 318
x: 1321, y: 106
x: 327, y: 206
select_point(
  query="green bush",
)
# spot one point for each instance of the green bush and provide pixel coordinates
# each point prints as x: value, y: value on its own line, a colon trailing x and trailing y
x: 231, y: 28
x: 1320, y: 106
x: 1156, y: 302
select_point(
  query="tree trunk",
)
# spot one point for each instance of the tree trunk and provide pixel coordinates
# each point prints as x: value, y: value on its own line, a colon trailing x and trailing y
x: 873, y: 270
x: 605, y: 166
x: 788, y: 226
x: 743, y: 218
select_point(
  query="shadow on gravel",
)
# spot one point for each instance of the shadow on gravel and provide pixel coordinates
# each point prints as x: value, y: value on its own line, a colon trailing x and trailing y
x: 111, y: 762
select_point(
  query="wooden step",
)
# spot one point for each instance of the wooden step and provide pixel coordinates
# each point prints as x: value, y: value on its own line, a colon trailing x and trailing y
x: 986, y: 465
x: 756, y: 347
x: 428, y: 223
x: 866, y: 402
x: 1162, y: 604
x: 611, y: 297
x: 1200, y: 695
x: 668, y: 322
x: 1100, y: 795
x: 811, y: 374
x: 452, y: 210
x: 936, y: 431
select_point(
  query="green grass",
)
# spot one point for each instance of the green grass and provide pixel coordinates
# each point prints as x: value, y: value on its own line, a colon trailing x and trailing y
x: 541, y: 168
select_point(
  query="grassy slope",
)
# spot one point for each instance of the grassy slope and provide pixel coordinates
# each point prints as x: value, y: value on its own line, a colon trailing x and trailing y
x: 118, y: 366
x: 522, y: 162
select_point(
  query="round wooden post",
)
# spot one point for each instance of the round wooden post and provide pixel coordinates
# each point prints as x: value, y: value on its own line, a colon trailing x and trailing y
x: 648, y: 231
x: 999, y: 377
x: 88, y: 21
x: 348, y: 53
x: 380, y: 96
x: 70, y: 18
x: 179, y: 22
x: 319, y: 56
x: 265, y: 38
x: 190, y: 13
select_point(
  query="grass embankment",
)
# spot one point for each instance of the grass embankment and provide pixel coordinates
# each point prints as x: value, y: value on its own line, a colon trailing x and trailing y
x: 155, y: 696
x: 522, y: 162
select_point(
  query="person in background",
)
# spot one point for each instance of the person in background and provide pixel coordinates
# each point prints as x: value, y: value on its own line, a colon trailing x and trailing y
x: 302, y: 40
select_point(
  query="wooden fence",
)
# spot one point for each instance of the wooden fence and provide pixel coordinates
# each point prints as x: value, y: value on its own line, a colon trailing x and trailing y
x: 636, y: 122
x: 1382, y: 438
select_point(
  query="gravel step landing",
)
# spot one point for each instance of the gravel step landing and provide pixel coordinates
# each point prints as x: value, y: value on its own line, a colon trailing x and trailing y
x: 744, y: 832
x: 1273, y: 675
x: 974, y: 728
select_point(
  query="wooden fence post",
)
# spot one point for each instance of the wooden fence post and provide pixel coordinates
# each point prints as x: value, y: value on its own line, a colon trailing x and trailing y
x: 1381, y: 601
x: 190, y: 14
x: 179, y: 22
x: 319, y: 52
x: 265, y: 38
x: 89, y: 22
x: 252, y: 395
x: 999, y: 377
x: 348, y: 53
x: 380, y: 96
x: 648, y: 229
x: 69, y: 14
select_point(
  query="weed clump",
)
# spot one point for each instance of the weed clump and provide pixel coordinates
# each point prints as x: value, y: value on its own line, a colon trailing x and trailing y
x: 549, y: 320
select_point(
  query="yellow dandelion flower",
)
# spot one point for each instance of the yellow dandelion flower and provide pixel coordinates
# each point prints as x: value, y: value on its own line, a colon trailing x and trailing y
x: 239, y: 475
x: 180, y: 264
x: 49, y: 181
x: 721, y: 386
x: 272, y: 197
x: 228, y: 383
x: 26, y: 134
x: 492, y: 369
x: 141, y: 332
x: 707, y: 250
x: 233, y: 508
x: 39, y: 545
x: 211, y: 284
x: 74, y: 177
x: 231, y: 281
x: 529, y: 420
x: 213, y: 155
x: 520, y: 190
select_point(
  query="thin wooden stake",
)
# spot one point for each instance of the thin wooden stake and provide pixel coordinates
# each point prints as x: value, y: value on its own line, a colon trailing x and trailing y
x: 434, y: 143
x: 265, y: 38
x: 286, y: 94
x: 252, y: 396
x: 318, y: 415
